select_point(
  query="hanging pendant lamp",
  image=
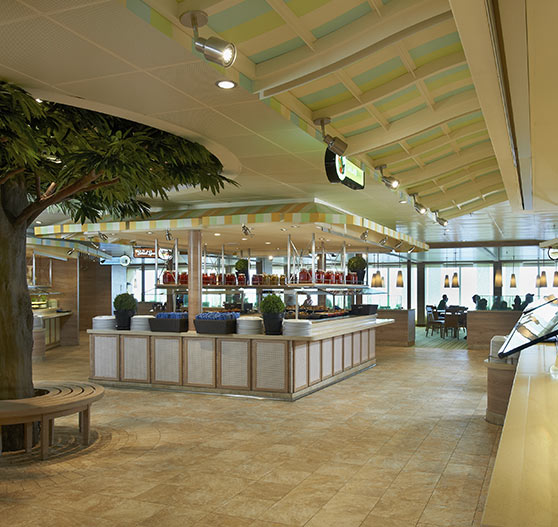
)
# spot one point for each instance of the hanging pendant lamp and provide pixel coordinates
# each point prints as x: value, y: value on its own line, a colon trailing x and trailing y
x: 513, y: 281
x: 455, y: 280
x: 446, y: 281
x: 555, y: 281
x: 538, y: 281
x: 399, y: 280
x: 498, y: 278
x: 543, y: 279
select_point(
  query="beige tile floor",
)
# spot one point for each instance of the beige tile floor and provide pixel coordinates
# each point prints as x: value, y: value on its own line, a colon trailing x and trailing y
x: 402, y: 444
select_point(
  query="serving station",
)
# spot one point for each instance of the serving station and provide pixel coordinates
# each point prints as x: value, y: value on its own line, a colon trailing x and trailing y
x: 276, y: 366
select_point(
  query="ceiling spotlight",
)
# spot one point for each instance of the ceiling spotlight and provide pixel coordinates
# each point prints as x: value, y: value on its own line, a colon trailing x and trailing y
x: 71, y: 251
x: 411, y: 250
x: 397, y: 245
x: 335, y: 144
x: 364, y: 236
x: 247, y: 231
x: 149, y: 232
x: 419, y: 207
x: 214, y: 49
x: 403, y: 200
x: 226, y: 84
x: 39, y: 100
x: 383, y: 241
x: 103, y: 236
x: 38, y: 222
x: 168, y: 235
x: 389, y: 182
x: 268, y: 243
x: 95, y: 245
x: 443, y: 222
x: 216, y: 234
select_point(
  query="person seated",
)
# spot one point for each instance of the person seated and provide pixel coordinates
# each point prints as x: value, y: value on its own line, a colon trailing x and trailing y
x: 497, y: 304
x: 443, y: 305
x: 482, y: 304
x: 476, y: 299
x: 517, y: 303
x: 528, y: 299
x: 307, y: 302
x: 503, y: 305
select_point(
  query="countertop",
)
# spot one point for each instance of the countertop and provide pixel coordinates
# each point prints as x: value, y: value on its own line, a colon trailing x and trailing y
x: 51, y: 314
x: 524, y: 486
x: 325, y: 329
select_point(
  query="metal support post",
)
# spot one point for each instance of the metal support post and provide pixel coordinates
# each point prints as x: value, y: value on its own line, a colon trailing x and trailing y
x: 288, y: 278
x: 176, y: 254
x: 313, y: 258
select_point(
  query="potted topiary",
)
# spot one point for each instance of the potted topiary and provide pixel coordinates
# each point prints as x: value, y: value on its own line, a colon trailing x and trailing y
x: 241, y: 267
x: 357, y: 264
x: 124, y: 308
x: 272, y: 309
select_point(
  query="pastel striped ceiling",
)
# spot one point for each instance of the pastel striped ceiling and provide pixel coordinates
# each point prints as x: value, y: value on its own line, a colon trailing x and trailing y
x: 385, y: 104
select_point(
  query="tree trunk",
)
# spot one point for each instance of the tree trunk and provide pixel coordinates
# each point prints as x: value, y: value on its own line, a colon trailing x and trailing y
x: 16, y: 316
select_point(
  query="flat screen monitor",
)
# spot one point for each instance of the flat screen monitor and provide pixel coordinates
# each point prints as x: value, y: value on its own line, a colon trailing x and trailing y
x: 538, y: 322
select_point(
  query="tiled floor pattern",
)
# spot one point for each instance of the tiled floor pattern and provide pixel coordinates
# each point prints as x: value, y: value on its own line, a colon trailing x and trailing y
x: 436, y: 341
x: 402, y: 444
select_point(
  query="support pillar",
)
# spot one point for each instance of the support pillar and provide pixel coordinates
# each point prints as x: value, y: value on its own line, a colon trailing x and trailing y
x: 409, y: 283
x: 421, y: 297
x: 194, y: 277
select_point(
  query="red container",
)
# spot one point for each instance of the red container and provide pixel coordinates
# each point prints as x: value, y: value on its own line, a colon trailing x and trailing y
x: 183, y: 278
x: 320, y: 276
x: 206, y: 279
x: 168, y: 277
x: 339, y: 277
x: 241, y: 279
x: 304, y: 276
x: 257, y: 279
x: 329, y: 277
x: 213, y: 279
x: 230, y: 279
x: 352, y: 278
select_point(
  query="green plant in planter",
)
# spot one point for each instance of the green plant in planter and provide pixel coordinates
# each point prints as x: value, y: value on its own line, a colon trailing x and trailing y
x: 272, y: 304
x: 125, y: 302
x: 241, y: 266
x: 356, y: 263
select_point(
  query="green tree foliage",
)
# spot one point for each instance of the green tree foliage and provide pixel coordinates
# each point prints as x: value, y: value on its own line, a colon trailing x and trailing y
x: 90, y: 163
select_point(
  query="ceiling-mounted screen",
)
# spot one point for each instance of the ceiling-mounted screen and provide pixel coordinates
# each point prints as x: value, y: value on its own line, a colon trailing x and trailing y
x: 340, y: 170
x: 538, y: 322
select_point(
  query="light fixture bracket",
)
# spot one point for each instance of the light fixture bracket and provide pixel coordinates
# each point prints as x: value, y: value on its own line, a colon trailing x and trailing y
x: 194, y: 19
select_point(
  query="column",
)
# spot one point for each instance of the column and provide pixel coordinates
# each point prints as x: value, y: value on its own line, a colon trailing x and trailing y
x: 194, y: 277
x: 421, y: 295
x: 409, y: 283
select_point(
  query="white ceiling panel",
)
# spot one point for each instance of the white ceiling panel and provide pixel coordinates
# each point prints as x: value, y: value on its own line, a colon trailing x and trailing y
x: 102, y: 24
x: 138, y: 92
x: 50, y: 6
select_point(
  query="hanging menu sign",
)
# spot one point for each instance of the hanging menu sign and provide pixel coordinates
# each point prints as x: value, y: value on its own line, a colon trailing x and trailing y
x: 149, y: 252
x: 340, y: 170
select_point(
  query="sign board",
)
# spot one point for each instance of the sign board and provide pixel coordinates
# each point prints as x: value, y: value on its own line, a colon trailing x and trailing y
x: 149, y: 252
x: 340, y: 170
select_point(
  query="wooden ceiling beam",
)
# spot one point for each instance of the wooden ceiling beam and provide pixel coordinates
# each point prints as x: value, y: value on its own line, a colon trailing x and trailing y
x: 348, y: 45
x: 404, y: 81
x: 421, y: 121
x: 424, y: 148
x: 441, y: 168
x: 293, y: 21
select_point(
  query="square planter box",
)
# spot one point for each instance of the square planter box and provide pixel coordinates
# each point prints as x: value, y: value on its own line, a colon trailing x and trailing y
x: 215, y: 327
x: 174, y: 325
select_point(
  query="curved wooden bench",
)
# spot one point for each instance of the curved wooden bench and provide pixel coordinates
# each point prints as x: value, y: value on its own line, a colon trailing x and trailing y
x: 60, y: 399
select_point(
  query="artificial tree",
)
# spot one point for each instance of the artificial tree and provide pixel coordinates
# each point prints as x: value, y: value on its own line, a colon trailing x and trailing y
x: 88, y: 164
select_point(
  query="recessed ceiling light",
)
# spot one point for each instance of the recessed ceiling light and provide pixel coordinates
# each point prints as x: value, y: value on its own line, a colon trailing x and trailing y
x: 39, y: 100
x: 216, y: 234
x: 270, y: 257
x: 38, y: 222
x: 268, y: 243
x: 149, y: 232
x: 283, y: 229
x: 244, y: 239
x: 226, y: 84
x: 403, y: 200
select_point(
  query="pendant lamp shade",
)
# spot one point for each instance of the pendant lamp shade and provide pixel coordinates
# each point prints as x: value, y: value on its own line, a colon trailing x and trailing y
x: 373, y: 282
x: 455, y: 280
x: 555, y: 281
x: 383, y: 284
x: 446, y: 281
x: 538, y: 281
x: 399, y: 280
x: 543, y: 279
x: 513, y: 281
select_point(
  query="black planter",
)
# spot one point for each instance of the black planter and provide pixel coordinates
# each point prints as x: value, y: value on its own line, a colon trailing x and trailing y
x: 273, y: 323
x: 360, y: 276
x: 123, y: 319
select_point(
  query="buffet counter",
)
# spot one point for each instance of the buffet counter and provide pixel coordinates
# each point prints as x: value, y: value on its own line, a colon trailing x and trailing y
x: 276, y: 366
x: 523, y: 489
x: 52, y: 324
x: 402, y: 332
x: 483, y: 325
